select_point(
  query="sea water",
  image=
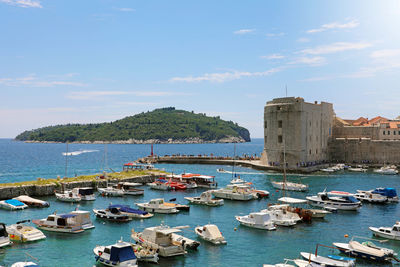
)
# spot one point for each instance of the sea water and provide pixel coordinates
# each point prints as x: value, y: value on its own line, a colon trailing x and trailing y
x: 246, y: 246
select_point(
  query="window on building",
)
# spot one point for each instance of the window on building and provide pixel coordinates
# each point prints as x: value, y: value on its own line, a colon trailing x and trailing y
x: 279, y: 124
x: 388, y: 132
x: 266, y: 124
x: 384, y: 133
x: 316, y: 151
x: 279, y: 138
x: 394, y: 132
x: 278, y: 108
x: 399, y: 132
x: 310, y: 152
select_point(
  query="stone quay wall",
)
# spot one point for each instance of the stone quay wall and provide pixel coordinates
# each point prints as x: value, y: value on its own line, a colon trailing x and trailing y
x: 49, y: 189
x: 359, y: 150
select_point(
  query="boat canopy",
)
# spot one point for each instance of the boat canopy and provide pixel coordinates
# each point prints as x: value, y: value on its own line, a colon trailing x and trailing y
x: 389, y: 192
x: 162, y: 180
x: 126, y: 208
x: 86, y: 191
x: 68, y: 215
x: 14, y: 202
x: 122, y: 254
x: 167, y: 231
x: 291, y: 200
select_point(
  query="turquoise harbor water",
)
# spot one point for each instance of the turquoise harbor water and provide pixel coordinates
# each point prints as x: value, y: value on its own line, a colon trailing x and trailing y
x: 246, y: 246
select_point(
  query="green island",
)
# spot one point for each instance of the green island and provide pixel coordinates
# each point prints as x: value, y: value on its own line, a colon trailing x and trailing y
x: 165, y: 125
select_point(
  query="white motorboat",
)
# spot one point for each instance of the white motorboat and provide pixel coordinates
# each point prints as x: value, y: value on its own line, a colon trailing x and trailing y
x: 222, y: 170
x: 234, y: 192
x: 68, y: 197
x: 145, y: 254
x: 259, y: 220
x: 387, y: 232
x: 315, y: 213
x: 334, y: 200
x: 290, y: 186
x: 82, y: 217
x: 205, y: 199
x: 357, y: 169
x: 120, y: 254
x: 238, y: 181
x: 85, y: 193
x: 370, y: 197
x: 389, y: 170
x: 366, y: 250
x: 24, y: 233
x: 133, y: 213
x: 64, y: 223
x: 130, y: 188
x: 210, y: 233
x: 111, y: 192
x: 187, y: 243
x: 325, y: 261
x: 157, y: 206
x: 112, y: 214
x: 160, y: 184
x: 4, y: 238
x: 329, y: 170
x: 12, y: 204
x: 280, y: 216
x: 32, y: 202
x: 24, y: 264
x: 159, y: 238
x: 388, y: 192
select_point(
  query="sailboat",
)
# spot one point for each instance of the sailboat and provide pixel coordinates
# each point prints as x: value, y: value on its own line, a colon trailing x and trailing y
x: 285, y: 185
x: 236, y: 180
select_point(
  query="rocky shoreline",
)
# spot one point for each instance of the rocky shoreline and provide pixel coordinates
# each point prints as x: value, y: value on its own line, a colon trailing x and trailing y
x: 195, y: 140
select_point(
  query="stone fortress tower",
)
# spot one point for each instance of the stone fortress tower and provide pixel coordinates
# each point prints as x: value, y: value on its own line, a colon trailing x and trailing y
x: 299, y: 129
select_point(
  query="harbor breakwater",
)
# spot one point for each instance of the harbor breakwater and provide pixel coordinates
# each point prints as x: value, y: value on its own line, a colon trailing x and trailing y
x: 8, y: 192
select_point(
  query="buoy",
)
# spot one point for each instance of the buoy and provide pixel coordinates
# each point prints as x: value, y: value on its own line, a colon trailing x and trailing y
x: 234, y: 229
x: 346, y: 235
x: 277, y: 191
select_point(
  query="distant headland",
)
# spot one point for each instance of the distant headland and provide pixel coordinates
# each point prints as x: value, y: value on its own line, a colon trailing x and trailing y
x: 165, y: 125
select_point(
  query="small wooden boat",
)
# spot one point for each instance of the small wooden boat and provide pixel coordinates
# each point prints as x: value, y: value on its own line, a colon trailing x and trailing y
x: 387, y: 232
x: 145, y: 254
x: 24, y: 233
x: 32, y: 202
x: 112, y: 214
x: 12, y: 204
x: 4, y: 238
x: 120, y: 254
x: 210, y: 233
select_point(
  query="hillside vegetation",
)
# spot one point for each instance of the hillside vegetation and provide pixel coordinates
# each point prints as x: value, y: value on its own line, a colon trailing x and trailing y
x: 162, y: 125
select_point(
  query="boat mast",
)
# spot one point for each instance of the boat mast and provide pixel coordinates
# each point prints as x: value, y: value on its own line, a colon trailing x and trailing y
x: 234, y: 157
x: 66, y: 161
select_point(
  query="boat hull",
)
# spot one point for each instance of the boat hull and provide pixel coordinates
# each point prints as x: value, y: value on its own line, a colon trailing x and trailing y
x: 376, y: 232
x: 330, y: 204
x: 233, y: 196
x: 346, y: 249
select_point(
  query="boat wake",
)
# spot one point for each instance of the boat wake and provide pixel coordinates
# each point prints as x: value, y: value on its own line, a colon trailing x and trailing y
x: 251, y: 173
x: 76, y: 153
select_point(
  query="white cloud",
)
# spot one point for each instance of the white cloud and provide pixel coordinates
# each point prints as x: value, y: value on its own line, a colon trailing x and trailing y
x: 317, y: 79
x: 32, y: 81
x: 275, y: 34
x: 85, y: 95
x: 335, y: 25
x: 303, y: 40
x: 125, y: 9
x: 244, y: 31
x: 335, y: 47
x: 23, y: 3
x: 225, y: 76
x: 385, y: 53
x: 273, y: 56
x: 313, y: 61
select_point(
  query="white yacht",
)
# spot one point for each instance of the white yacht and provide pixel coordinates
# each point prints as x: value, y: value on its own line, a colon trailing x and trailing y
x: 290, y: 186
x: 357, y: 169
x: 24, y: 233
x: 159, y: 238
x: 4, y: 238
x: 238, y: 181
x: 111, y: 192
x: 280, y: 216
x: 368, y: 196
x: 132, y: 213
x: 260, y: 220
x: 12, y: 204
x: 85, y: 193
x: 387, y: 232
x: 210, y: 233
x: 120, y: 254
x: 234, y: 192
x: 205, y: 199
x: 334, y: 200
x: 83, y: 218
x: 68, y: 196
x: 389, y: 170
x: 157, y: 206
x: 64, y: 223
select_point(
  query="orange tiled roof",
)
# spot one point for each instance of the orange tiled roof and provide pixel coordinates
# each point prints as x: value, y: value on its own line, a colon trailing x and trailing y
x: 360, y: 121
x: 378, y: 119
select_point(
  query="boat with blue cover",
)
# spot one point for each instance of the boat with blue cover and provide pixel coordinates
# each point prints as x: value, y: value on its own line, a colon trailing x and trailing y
x: 130, y: 212
x: 12, y: 204
x: 335, y: 199
x: 120, y: 254
x: 64, y: 223
x: 388, y: 192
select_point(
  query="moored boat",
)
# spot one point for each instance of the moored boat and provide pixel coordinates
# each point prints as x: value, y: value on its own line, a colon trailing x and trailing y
x: 157, y: 206
x: 120, y: 254
x: 370, y: 197
x: 12, y: 204
x: 187, y: 243
x: 133, y: 213
x: 205, y: 199
x: 281, y: 216
x: 32, y: 202
x: 63, y: 223
x: 290, y: 186
x: 145, y: 254
x: 210, y: 233
x: 366, y: 250
x: 387, y: 232
x: 85, y: 193
x: 112, y: 214
x: 160, y: 184
x: 68, y: 197
x: 259, y: 220
x: 234, y: 192
x: 4, y: 238
x: 24, y: 233
x: 315, y: 213
x: 388, y: 192
x: 130, y: 188
x: 111, y: 191
x: 24, y: 264
x: 388, y: 170
x: 325, y: 261
x: 335, y: 200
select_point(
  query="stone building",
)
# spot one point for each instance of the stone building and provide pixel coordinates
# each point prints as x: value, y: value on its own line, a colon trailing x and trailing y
x: 299, y: 129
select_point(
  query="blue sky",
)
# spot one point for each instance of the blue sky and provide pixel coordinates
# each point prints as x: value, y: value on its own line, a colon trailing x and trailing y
x: 95, y: 61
